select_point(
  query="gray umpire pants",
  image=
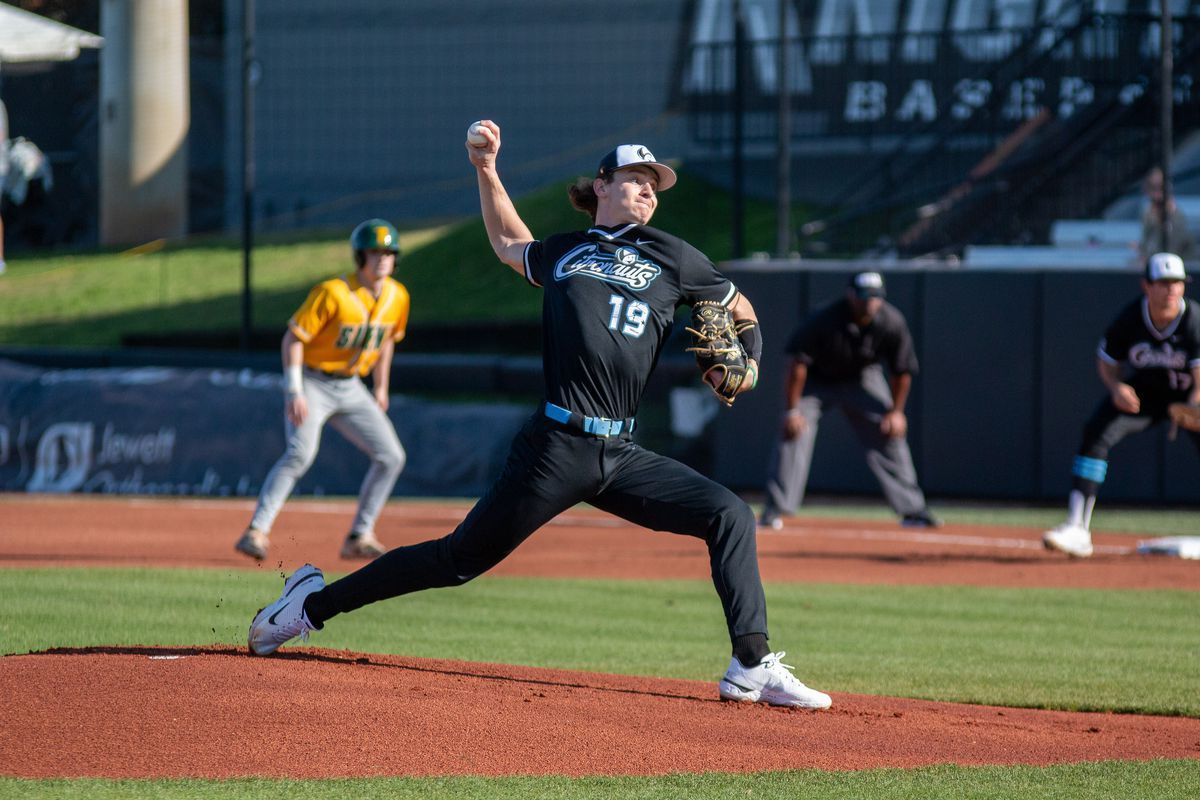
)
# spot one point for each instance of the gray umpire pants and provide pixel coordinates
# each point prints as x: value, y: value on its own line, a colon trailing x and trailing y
x: 864, y: 403
x: 347, y: 405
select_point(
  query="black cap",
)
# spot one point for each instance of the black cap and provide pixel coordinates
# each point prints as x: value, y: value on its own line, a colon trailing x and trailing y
x: 867, y: 284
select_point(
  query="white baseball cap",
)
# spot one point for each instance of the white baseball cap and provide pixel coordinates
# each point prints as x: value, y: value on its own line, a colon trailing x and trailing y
x: 1165, y: 267
x: 868, y: 284
x: 632, y: 155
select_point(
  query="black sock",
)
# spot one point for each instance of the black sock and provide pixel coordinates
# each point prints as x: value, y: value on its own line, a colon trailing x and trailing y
x: 750, y: 648
x: 316, y: 611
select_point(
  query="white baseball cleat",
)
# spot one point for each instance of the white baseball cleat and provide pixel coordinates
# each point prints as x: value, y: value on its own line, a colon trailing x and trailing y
x: 285, y: 619
x: 770, y: 681
x: 1074, y: 540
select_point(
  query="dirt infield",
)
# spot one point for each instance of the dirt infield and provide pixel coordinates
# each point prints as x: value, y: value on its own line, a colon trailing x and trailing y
x: 216, y: 712
x: 88, y: 531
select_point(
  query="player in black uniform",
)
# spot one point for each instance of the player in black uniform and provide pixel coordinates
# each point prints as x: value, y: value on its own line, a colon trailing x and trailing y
x: 1149, y: 358
x: 610, y: 295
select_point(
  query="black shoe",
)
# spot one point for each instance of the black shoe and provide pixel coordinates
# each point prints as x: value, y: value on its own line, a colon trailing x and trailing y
x: 922, y: 519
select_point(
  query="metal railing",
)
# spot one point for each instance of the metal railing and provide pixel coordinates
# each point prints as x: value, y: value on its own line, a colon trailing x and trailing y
x: 915, y: 122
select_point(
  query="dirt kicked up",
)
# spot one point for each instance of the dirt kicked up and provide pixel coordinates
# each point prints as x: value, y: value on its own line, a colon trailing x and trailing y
x: 309, y: 712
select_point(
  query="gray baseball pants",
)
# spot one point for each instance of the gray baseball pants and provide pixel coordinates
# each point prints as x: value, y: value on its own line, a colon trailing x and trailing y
x: 864, y: 403
x: 347, y: 405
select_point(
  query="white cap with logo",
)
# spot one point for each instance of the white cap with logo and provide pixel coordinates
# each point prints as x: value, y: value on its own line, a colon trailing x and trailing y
x: 632, y: 155
x: 867, y: 284
x: 1165, y: 267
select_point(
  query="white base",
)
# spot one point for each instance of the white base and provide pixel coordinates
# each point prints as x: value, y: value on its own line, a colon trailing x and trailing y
x: 1178, y: 546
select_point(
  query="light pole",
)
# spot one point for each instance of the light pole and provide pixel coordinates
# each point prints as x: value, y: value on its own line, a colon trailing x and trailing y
x: 1166, y: 98
x: 249, y: 77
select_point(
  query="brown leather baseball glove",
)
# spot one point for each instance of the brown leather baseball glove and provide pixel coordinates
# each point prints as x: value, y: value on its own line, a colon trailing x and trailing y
x: 1185, y: 416
x: 720, y: 356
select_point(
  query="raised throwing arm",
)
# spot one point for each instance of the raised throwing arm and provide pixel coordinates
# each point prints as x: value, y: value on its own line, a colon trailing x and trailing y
x: 506, y: 230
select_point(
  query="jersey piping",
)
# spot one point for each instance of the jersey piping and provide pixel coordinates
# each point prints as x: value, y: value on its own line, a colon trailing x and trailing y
x: 525, y: 260
x: 615, y: 234
x: 732, y: 293
x: 1162, y: 335
x: 1170, y: 329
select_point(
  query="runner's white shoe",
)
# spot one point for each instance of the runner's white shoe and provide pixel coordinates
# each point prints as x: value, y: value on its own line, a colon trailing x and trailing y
x: 285, y: 619
x: 770, y: 681
x: 365, y: 545
x: 253, y: 543
x: 1074, y: 540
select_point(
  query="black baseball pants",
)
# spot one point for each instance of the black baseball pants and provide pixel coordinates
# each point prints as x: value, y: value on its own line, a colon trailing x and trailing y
x: 549, y: 470
x: 1108, y: 425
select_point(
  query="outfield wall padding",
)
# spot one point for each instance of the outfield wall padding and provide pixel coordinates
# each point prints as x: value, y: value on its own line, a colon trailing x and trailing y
x: 1007, y: 379
x: 217, y: 432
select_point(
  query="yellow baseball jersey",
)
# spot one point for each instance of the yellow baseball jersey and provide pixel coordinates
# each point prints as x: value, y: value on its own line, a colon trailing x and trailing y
x: 343, y: 326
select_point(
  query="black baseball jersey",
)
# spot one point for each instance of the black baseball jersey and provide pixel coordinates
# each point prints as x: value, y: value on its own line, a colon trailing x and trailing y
x: 836, y: 348
x: 610, y: 300
x: 1160, y: 362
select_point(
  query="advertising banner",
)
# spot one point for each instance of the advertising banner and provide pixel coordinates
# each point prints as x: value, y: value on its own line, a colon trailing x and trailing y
x: 210, y: 432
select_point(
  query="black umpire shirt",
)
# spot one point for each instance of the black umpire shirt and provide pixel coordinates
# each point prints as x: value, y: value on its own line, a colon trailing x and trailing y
x: 610, y: 300
x: 836, y: 348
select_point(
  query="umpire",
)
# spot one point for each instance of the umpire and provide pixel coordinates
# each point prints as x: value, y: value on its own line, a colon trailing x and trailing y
x: 838, y: 354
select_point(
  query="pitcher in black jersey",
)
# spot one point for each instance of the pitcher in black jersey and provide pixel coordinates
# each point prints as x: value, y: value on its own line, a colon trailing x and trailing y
x: 1149, y: 358
x: 609, y: 298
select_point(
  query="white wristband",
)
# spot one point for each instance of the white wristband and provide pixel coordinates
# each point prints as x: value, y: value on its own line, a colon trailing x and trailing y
x: 292, y: 382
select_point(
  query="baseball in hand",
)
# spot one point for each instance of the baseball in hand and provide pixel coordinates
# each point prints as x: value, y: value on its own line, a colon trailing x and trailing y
x: 475, y: 134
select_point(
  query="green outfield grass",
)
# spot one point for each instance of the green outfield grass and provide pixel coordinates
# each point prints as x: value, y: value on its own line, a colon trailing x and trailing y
x: 92, y: 299
x: 1162, y: 780
x: 1136, y: 651
x: 1071, y: 649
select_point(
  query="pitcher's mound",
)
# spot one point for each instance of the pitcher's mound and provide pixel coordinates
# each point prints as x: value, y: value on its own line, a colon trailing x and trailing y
x: 310, y: 713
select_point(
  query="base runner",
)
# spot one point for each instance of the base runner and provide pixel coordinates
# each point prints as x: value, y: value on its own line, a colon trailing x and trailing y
x: 346, y: 328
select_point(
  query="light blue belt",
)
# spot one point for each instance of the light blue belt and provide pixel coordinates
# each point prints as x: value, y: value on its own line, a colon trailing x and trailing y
x: 593, y: 426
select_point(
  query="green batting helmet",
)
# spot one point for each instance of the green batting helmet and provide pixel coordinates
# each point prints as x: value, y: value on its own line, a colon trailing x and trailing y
x: 374, y: 234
